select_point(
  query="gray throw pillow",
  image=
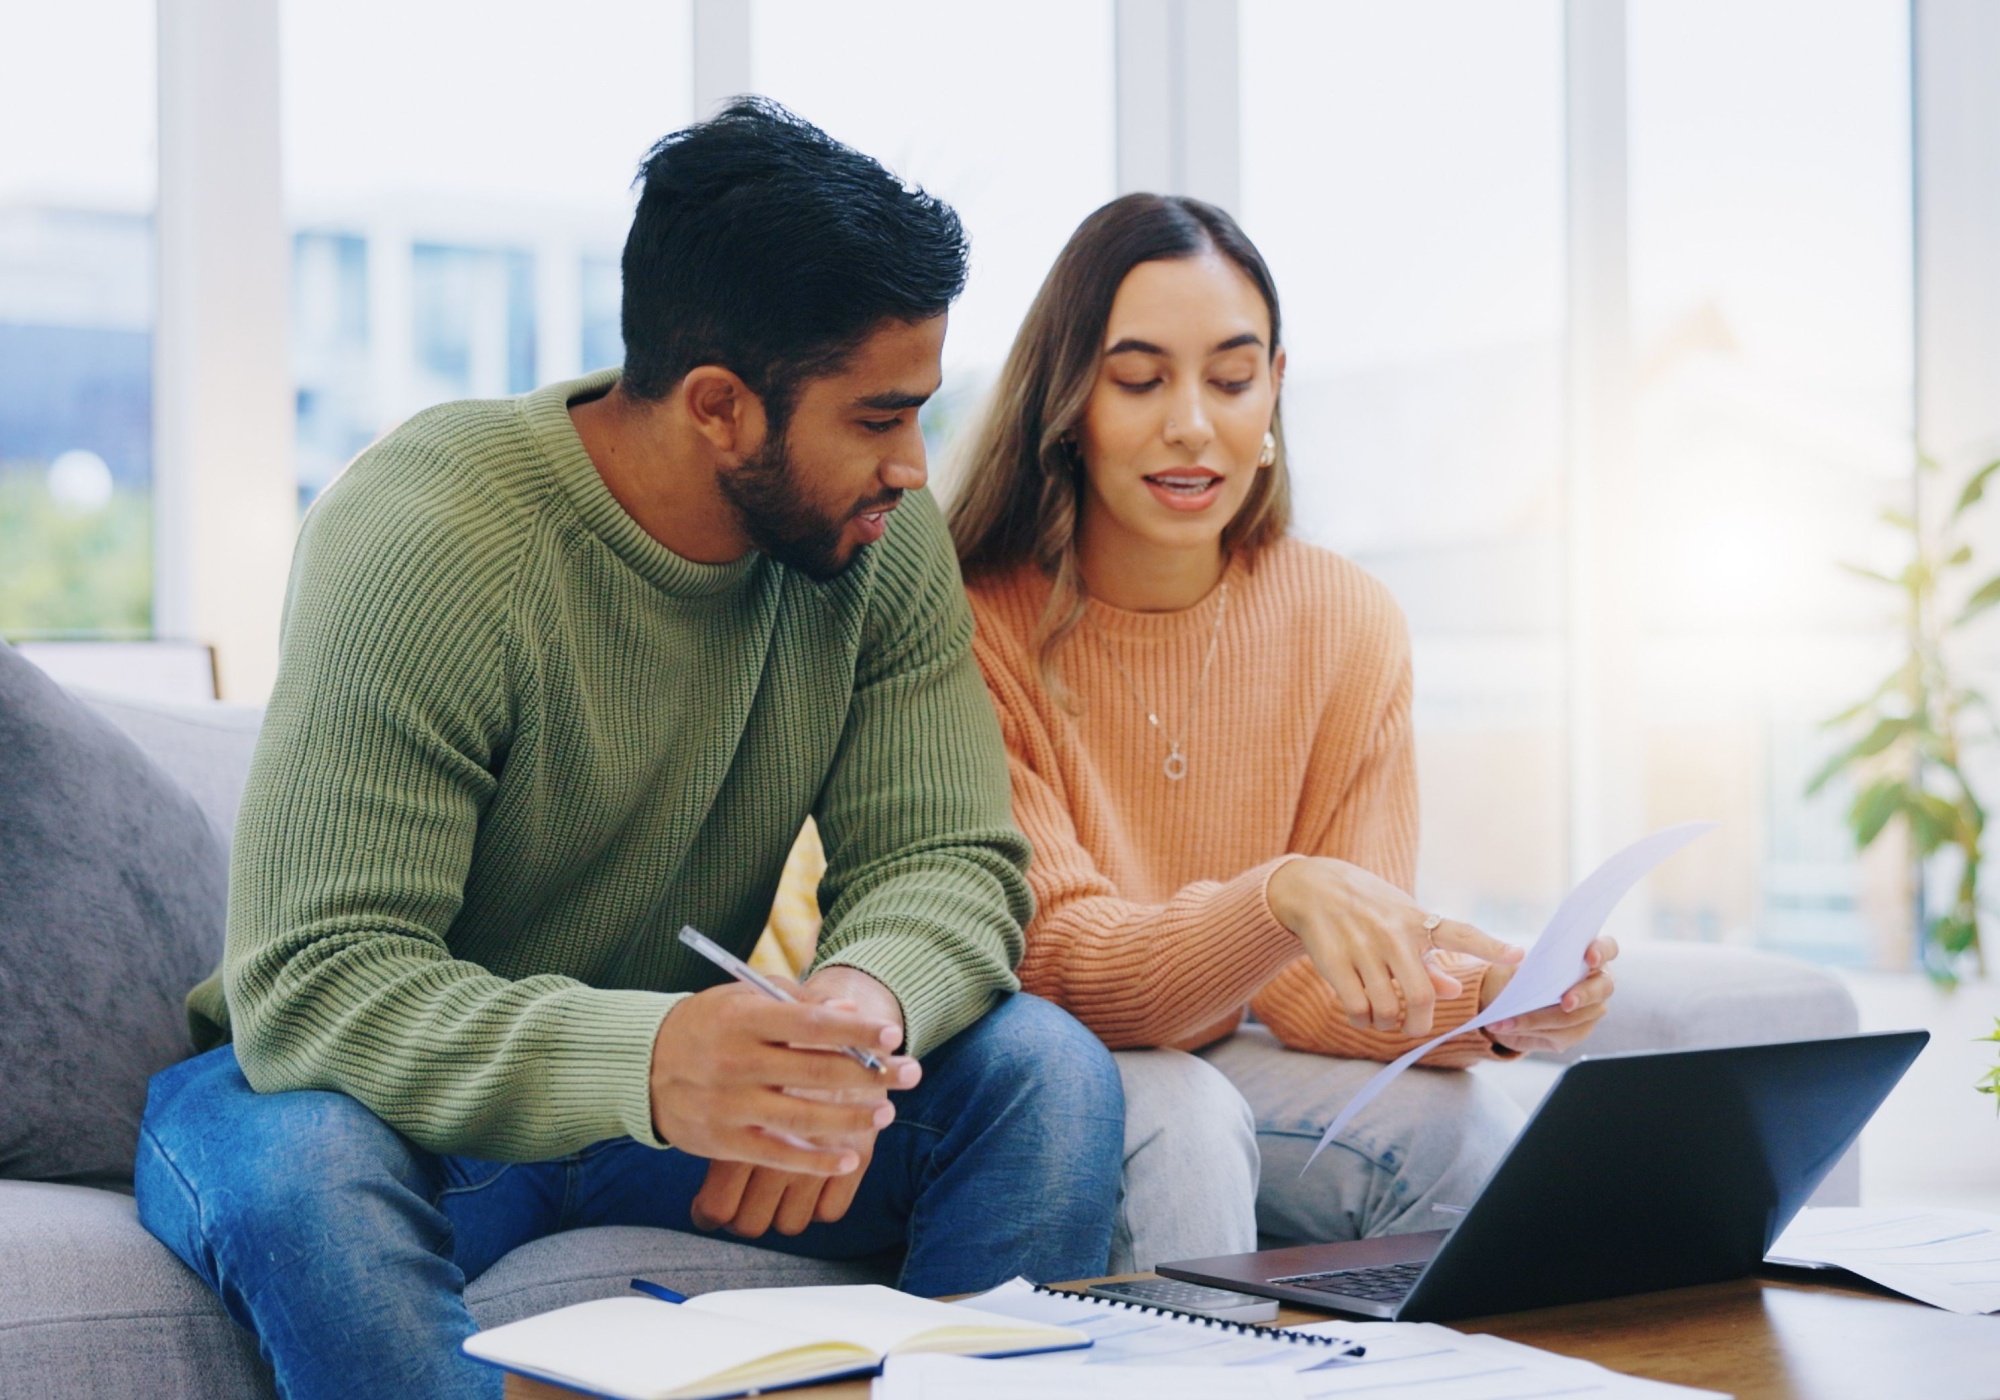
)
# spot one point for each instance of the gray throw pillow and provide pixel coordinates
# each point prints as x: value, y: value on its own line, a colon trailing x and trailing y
x: 112, y: 891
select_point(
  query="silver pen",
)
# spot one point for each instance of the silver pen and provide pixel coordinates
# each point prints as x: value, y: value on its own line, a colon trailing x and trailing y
x: 743, y: 972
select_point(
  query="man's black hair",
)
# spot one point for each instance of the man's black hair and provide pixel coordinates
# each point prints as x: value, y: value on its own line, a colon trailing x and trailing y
x: 763, y: 245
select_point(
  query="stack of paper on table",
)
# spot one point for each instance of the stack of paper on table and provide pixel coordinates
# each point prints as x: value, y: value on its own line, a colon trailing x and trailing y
x: 1947, y: 1258
x: 747, y: 1339
x: 1398, y: 1360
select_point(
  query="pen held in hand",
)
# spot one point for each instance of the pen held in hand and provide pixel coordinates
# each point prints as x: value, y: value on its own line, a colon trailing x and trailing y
x: 743, y: 972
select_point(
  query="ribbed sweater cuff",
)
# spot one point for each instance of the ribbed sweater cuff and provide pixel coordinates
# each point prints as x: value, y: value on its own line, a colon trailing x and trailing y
x: 602, y: 1062
x: 935, y: 1008
x: 1261, y: 877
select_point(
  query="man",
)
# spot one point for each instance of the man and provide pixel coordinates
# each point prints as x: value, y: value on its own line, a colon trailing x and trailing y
x: 562, y: 674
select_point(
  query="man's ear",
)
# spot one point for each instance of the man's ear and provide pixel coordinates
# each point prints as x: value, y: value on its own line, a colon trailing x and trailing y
x: 724, y: 410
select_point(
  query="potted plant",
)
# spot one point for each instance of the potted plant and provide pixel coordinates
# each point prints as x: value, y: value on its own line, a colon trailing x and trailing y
x: 1911, y: 734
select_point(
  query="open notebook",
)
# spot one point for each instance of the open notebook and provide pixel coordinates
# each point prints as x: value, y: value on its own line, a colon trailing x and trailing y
x: 747, y: 1339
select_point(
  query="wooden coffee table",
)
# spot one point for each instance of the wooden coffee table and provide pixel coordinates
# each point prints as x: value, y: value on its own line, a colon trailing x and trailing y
x: 1790, y: 1337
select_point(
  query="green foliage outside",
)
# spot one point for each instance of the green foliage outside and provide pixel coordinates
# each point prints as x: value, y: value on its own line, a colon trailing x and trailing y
x: 1989, y: 1083
x: 1912, y: 732
x: 65, y: 573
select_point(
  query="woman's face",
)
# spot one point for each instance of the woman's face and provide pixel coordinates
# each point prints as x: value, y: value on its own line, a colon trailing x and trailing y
x: 1184, y: 395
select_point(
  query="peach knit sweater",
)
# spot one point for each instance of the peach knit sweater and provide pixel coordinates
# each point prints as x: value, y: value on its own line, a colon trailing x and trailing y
x: 1151, y: 922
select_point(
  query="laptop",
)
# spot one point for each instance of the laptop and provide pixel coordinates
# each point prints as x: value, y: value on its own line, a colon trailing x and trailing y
x: 1637, y: 1172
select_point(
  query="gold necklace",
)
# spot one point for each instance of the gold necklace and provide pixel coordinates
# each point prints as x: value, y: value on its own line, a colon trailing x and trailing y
x: 1176, y: 765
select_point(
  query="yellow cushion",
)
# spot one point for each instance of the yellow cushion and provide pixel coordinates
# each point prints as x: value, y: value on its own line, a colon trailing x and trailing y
x: 792, y: 933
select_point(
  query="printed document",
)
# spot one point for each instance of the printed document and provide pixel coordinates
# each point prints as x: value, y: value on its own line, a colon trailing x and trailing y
x: 963, y: 1378
x: 1947, y: 1258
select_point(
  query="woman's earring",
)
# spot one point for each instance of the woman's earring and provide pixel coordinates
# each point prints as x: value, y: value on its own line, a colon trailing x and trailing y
x: 1269, y: 456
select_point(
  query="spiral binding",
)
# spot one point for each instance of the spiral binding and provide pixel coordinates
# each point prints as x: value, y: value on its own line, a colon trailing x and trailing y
x: 1249, y: 1329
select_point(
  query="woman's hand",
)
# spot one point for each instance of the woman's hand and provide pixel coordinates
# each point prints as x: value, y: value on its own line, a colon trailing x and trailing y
x: 1367, y: 939
x: 1558, y: 1027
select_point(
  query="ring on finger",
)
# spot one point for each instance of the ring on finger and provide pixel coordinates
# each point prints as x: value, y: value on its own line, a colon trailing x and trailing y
x: 1431, y: 922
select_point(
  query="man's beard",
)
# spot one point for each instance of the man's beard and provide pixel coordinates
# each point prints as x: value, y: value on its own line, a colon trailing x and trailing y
x: 781, y: 519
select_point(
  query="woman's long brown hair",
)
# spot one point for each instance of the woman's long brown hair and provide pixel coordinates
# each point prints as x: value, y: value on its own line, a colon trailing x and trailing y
x: 1021, y: 491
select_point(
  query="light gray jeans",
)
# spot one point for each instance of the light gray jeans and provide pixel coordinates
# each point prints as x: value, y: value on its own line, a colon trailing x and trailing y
x: 1214, y: 1143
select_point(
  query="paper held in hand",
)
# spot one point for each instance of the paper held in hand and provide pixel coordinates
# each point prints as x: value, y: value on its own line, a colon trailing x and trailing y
x: 1553, y: 965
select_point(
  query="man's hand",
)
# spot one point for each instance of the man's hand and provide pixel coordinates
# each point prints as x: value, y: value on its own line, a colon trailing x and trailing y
x: 727, y: 1065
x: 1558, y: 1027
x: 1367, y: 939
x: 747, y: 1198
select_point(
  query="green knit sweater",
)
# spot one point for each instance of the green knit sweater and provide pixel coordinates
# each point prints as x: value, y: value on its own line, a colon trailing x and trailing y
x: 516, y: 743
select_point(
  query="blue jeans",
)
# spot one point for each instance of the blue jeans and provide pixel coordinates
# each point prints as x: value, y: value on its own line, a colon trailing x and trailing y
x: 346, y: 1248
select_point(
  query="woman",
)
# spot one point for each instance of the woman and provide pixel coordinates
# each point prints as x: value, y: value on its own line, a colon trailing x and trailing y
x: 1208, y: 724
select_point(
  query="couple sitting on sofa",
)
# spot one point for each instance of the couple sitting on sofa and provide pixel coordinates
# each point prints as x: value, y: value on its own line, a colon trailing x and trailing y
x: 564, y: 673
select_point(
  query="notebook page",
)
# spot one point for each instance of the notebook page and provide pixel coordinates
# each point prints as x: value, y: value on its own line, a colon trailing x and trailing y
x: 883, y: 1319
x: 639, y: 1348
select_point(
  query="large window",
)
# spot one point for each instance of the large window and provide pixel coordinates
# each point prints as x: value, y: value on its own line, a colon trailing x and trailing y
x: 459, y: 173
x: 458, y: 179
x: 76, y: 317
x: 1402, y: 172
x: 1770, y: 216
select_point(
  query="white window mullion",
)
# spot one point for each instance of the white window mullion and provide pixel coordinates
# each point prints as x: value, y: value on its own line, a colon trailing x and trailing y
x: 1605, y: 732
x: 226, y: 497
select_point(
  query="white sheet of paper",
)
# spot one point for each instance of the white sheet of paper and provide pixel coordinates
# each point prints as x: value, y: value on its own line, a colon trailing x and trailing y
x: 932, y: 1377
x: 1553, y: 965
x: 1947, y: 1258
x: 1434, y: 1362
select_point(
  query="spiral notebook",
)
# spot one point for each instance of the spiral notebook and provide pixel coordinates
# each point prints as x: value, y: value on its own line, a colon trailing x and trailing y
x: 1127, y: 1333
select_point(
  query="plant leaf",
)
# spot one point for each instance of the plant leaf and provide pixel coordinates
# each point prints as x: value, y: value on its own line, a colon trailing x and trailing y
x: 1954, y: 933
x: 1934, y: 822
x: 1883, y: 733
x: 1871, y: 811
x: 1961, y: 555
x: 1975, y: 487
x: 1983, y: 597
x: 1887, y: 732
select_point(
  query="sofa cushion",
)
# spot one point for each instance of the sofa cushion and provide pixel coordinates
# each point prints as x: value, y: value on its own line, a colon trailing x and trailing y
x: 115, y: 884
x: 96, y: 1306
x: 206, y: 748
x: 93, y: 1305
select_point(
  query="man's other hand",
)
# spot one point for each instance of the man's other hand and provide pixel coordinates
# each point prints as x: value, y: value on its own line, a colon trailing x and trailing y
x: 749, y: 1194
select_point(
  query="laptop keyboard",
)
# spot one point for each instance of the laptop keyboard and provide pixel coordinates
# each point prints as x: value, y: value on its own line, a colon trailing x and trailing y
x: 1386, y: 1283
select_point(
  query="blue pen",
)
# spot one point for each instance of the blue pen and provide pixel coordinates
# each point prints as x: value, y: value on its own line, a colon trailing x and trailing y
x: 654, y: 1290
x: 743, y: 972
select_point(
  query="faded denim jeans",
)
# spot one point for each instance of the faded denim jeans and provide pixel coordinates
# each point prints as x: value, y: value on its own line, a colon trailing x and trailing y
x: 346, y: 1248
x: 1214, y: 1144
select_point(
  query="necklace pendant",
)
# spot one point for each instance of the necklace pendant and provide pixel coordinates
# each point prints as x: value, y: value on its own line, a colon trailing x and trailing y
x: 1176, y: 765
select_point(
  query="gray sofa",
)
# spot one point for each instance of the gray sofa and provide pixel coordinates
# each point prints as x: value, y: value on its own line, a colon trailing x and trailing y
x: 91, y: 1305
